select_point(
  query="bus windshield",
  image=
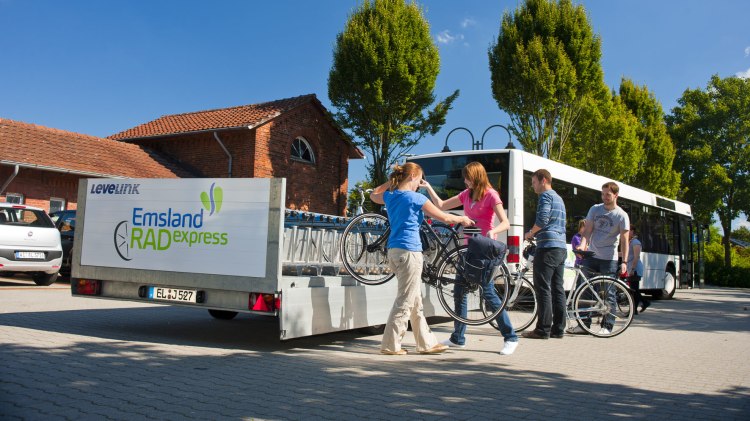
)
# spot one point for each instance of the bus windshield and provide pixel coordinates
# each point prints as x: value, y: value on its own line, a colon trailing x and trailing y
x: 444, y: 172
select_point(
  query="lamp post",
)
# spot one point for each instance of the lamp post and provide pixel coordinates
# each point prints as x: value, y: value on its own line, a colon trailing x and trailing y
x: 447, y: 149
x: 510, y: 140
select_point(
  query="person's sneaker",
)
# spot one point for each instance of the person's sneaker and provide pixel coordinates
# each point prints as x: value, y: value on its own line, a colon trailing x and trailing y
x: 435, y: 349
x: 604, y: 331
x: 401, y: 351
x: 533, y: 334
x: 577, y: 330
x: 509, y: 348
x: 452, y: 344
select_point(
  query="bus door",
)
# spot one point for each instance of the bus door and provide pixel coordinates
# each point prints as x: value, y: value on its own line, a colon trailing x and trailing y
x: 685, y: 232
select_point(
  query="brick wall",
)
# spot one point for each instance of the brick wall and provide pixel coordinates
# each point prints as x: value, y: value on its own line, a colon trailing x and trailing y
x: 37, y: 187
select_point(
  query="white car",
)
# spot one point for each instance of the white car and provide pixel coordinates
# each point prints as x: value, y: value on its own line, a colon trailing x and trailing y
x: 29, y: 242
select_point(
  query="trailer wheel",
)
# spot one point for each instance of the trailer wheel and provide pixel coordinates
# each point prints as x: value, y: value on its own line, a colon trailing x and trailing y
x: 373, y: 330
x: 222, y: 314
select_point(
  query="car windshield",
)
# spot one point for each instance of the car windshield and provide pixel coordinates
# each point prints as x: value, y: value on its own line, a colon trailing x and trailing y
x: 25, y: 217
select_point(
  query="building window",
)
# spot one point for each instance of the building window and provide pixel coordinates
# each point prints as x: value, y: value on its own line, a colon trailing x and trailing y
x: 302, y: 151
x: 56, y: 204
x: 14, y: 198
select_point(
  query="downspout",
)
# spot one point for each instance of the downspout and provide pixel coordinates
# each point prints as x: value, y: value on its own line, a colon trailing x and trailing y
x: 10, y: 179
x: 216, y: 136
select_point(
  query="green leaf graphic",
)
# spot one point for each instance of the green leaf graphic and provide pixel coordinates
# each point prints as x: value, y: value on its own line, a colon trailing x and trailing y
x: 206, y: 201
x: 218, y: 198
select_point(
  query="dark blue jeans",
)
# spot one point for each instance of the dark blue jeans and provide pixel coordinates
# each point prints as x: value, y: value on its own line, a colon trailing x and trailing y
x: 493, y: 302
x: 603, y: 267
x: 549, y: 264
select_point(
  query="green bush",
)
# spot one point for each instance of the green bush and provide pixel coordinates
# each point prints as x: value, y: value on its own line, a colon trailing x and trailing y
x: 716, y: 273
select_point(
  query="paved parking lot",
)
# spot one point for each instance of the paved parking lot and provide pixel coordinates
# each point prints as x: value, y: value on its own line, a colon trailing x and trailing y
x: 75, y: 358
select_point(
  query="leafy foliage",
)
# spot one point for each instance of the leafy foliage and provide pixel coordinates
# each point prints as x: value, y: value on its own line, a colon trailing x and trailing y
x: 711, y: 129
x: 654, y: 171
x: 545, y: 69
x: 385, y: 64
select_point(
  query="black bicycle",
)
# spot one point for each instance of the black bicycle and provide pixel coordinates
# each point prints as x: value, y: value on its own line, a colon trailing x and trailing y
x: 364, y: 255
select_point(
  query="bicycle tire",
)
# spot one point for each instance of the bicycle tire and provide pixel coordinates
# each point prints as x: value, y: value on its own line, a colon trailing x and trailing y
x: 369, y: 267
x: 603, y: 302
x: 521, y: 307
x: 449, y: 277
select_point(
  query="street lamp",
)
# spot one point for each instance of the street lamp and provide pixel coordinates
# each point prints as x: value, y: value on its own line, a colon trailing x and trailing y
x: 510, y: 140
x: 447, y: 149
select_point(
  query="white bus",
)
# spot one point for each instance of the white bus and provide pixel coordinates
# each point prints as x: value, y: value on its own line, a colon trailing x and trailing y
x: 665, y: 225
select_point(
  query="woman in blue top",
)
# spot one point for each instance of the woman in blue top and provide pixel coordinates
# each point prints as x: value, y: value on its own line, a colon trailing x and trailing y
x: 406, y: 209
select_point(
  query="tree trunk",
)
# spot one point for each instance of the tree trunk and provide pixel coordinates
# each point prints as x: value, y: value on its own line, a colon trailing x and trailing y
x: 727, y: 245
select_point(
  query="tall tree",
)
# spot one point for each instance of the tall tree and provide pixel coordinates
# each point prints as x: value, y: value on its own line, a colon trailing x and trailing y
x: 385, y: 64
x: 654, y: 171
x: 606, y: 140
x: 544, y: 66
x: 711, y: 130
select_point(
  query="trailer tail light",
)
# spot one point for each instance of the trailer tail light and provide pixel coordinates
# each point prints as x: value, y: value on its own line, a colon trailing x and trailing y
x: 263, y: 302
x: 514, y: 248
x: 87, y: 287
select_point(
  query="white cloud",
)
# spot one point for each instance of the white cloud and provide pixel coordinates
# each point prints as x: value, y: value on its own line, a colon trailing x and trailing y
x: 743, y: 75
x: 747, y: 51
x: 467, y: 22
x: 445, y: 37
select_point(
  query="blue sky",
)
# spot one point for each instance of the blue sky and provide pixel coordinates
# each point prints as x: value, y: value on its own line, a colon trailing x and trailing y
x: 99, y: 67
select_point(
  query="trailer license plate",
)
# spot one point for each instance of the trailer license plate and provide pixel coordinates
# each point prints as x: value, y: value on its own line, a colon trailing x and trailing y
x: 172, y: 294
x: 29, y: 255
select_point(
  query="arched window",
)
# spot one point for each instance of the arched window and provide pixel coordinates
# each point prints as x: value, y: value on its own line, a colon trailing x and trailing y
x: 302, y: 151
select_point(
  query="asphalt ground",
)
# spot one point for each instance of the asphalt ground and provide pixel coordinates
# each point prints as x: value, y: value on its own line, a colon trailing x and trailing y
x: 76, y: 358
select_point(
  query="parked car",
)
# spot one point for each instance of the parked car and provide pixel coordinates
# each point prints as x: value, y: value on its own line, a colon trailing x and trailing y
x: 29, y: 242
x: 65, y: 222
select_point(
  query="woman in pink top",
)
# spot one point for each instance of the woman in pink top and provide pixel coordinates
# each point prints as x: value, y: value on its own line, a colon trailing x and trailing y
x: 482, y: 204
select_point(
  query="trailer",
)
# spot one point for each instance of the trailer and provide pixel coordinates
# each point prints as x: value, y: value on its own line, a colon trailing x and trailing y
x: 228, y: 246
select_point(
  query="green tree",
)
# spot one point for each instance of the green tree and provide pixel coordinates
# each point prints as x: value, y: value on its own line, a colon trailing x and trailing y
x: 545, y: 66
x: 711, y: 130
x: 385, y: 64
x: 741, y: 233
x: 654, y: 172
x: 606, y: 140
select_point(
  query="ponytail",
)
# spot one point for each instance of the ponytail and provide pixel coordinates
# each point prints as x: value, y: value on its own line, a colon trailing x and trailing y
x: 401, y: 173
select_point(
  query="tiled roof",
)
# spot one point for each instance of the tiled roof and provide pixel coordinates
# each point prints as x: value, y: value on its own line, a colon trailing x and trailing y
x: 33, y: 145
x: 241, y: 116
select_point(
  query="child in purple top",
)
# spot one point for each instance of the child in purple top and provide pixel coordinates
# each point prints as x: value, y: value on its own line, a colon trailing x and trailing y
x: 575, y: 242
x: 482, y: 204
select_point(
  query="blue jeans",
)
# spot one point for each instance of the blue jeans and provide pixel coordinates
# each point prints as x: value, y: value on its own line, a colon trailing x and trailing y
x: 608, y: 268
x: 493, y: 303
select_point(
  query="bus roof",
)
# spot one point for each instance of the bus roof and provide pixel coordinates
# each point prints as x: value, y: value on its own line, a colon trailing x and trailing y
x: 531, y: 162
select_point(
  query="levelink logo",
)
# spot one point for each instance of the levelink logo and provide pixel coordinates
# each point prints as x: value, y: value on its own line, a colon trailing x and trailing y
x: 158, y: 231
x: 212, y: 200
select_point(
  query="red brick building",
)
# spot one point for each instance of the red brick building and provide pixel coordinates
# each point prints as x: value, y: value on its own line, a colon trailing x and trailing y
x: 293, y: 138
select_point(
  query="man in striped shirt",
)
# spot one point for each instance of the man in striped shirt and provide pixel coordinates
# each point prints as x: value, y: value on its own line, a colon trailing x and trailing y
x: 549, y: 259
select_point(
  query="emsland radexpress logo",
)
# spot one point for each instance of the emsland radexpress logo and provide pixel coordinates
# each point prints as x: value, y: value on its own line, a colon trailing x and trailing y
x: 213, y: 199
x: 150, y: 230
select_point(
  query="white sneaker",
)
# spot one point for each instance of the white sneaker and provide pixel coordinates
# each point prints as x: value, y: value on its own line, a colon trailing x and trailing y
x: 451, y: 344
x: 509, y: 348
x: 604, y: 331
x: 577, y: 330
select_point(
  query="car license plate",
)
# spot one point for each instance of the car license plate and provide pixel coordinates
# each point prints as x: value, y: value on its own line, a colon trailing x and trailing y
x: 172, y: 294
x: 29, y: 255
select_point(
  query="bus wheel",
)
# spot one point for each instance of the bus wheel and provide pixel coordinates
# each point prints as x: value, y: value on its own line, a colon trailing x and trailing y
x: 222, y: 314
x: 670, y: 285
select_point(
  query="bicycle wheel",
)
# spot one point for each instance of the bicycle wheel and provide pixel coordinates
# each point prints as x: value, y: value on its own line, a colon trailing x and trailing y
x: 363, y: 249
x: 465, y: 301
x: 603, y: 307
x: 521, y: 306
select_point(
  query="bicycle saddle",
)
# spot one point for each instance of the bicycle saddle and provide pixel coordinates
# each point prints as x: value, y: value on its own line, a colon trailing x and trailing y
x: 584, y: 253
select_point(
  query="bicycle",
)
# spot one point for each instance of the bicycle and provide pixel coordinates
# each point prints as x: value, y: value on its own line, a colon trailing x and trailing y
x: 364, y: 256
x: 596, y: 302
